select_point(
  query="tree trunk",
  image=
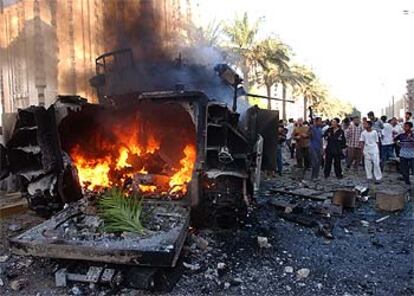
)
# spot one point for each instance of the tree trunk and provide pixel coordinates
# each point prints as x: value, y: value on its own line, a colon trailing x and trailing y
x: 245, y: 69
x: 305, y: 108
x: 269, y: 94
x: 284, y: 101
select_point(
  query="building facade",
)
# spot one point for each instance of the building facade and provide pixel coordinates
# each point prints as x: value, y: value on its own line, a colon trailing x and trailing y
x: 48, y: 47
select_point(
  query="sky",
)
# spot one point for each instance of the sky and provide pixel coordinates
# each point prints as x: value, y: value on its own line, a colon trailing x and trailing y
x: 363, y: 50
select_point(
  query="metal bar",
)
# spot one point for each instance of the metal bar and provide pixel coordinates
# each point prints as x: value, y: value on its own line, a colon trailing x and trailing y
x: 269, y: 98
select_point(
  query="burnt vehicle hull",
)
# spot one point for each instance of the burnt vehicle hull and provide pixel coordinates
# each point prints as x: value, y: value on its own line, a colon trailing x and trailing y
x: 229, y: 155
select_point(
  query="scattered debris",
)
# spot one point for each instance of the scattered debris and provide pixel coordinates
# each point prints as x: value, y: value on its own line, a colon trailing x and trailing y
x: 93, y: 276
x: 289, y: 269
x: 4, y: 258
x: 192, y: 267
x: 364, y: 223
x: 14, y: 227
x: 382, y: 219
x: 17, y: 285
x: 263, y: 242
x: 200, y: 242
x: 302, y: 273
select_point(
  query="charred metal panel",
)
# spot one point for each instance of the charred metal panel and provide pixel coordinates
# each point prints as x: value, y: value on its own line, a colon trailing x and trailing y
x: 157, y: 248
x: 264, y: 122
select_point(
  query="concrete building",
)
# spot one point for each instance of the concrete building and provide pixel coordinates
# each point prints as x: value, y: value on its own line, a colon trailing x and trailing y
x: 48, y: 47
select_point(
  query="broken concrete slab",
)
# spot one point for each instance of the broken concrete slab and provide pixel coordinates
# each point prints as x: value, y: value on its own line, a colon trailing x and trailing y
x: 391, y: 200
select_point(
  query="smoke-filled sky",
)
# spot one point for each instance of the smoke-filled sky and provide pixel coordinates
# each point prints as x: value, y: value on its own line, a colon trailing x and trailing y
x: 362, y: 49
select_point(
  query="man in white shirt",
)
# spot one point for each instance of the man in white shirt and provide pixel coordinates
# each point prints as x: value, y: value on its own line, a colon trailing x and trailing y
x: 289, y: 137
x: 387, y: 141
x: 369, y: 140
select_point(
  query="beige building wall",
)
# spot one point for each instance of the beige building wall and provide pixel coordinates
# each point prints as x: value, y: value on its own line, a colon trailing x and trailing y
x: 48, y: 47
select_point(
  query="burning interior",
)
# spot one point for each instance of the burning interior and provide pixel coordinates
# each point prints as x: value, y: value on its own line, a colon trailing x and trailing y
x: 146, y: 147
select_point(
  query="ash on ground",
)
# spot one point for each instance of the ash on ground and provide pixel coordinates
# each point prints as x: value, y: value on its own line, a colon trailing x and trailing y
x: 368, y: 253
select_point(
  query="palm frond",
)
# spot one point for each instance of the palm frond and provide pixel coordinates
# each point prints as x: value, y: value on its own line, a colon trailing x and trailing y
x: 120, y: 213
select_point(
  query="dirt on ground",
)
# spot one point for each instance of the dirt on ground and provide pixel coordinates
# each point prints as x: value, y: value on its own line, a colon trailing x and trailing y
x: 364, y: 257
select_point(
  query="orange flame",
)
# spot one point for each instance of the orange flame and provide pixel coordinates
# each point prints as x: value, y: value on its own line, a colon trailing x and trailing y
x: 183, y: 176
x: 118, y: 166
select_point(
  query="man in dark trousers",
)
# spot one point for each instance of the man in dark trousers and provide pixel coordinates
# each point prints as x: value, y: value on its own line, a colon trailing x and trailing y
x: 316, y: 147
x: 406, y: 143
x: 335, y: 138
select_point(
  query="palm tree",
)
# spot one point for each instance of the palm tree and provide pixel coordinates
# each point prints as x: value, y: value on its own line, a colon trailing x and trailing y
x: 288, y: 78
x: 242, y: 34
x: 273, y: 58
x: 309, y: 87
x: 209, y: 36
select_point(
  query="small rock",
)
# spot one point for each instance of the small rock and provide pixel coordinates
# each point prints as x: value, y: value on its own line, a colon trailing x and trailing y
x: 319, y: 286
x: 303, y: 273
x: 364, y: 223
x: 237, y: 281
x: 288, y: 288
x: 1, y: 283
x: 4, y: 258
x: 200, y: 242
x: 226, y: 285
x: 263, y: 242
x: 192, y: 267
x: 289, y: 269
x: 221, y: 266
x: 14, y: 227
x: 76, y: 291
x: 17, y: 285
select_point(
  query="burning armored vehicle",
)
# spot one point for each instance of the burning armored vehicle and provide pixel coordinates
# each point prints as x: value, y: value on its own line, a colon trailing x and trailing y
x: 187, y: 156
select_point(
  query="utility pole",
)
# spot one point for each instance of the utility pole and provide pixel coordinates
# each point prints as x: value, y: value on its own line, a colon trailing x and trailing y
x: 393, y: 106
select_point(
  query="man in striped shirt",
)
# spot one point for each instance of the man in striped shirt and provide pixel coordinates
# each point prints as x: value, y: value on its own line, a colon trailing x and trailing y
x: 352, y: 136
x: 406, y: 143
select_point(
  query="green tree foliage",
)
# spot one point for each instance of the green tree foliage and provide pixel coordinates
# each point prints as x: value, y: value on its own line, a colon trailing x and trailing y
x: 242, y: 34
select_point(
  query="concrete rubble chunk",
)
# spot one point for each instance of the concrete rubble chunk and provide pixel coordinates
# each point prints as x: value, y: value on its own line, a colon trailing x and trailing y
x: 303, y: 273
x: 263, y: 242
x: 391, y: 200
x: 289, y: 269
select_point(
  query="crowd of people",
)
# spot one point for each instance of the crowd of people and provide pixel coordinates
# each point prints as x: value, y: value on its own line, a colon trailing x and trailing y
x: 354, y: 142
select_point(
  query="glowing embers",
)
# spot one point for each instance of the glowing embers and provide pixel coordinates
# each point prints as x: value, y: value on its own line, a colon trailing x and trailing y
x: 128, y: 154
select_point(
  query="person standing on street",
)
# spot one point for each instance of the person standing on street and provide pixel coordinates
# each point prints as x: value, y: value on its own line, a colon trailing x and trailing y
x: 387, y: 142
x: 409, y: 117
x: 406, y: 143
x: 281, y: 137
x: 316, y: 147
x: 301, y: 134
x: 369, y: 140
x: 289, y: 137
x: 352, y: 135
x: 397, y: 129
x: 335, y: 138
